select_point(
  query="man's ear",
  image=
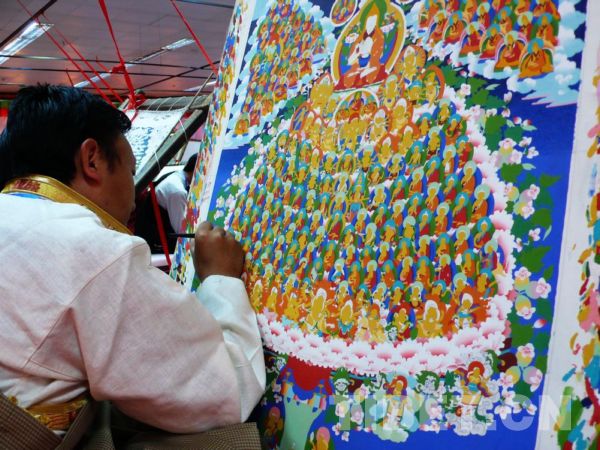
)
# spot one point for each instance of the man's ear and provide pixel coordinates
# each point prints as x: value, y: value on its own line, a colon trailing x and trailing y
x: 90, y: 161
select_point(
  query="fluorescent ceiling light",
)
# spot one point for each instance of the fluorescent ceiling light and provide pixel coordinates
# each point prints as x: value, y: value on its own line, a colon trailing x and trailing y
x: 195, y: 88
x: 178, y: 44
x: 94, y: 79
x: 173, y: 46
x: 27, y: 36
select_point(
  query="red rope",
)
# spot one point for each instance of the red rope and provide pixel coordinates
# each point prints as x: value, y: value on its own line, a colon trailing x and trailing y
x: 132, y: 102
x: 102, y: 66
x: 62, y: 50
x: 200, y: 46
x: 160, y: 225
x: 62, y: 36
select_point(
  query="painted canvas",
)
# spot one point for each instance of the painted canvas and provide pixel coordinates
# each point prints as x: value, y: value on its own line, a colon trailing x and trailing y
x: 149, y: 129
x: 398, y: 174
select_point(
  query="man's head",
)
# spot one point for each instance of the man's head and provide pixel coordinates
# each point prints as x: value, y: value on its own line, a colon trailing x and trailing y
x: 189, y: 167
x: 74, y: 137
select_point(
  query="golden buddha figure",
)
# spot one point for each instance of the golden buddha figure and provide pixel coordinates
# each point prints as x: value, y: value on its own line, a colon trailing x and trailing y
x: 431, y: 324
x: 536, y: 61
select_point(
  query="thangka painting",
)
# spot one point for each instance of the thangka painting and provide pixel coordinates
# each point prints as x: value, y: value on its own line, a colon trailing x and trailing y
x: 416, y: 186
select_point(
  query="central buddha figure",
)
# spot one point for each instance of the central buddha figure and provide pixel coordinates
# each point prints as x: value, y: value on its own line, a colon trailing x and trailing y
x: 369, y: 46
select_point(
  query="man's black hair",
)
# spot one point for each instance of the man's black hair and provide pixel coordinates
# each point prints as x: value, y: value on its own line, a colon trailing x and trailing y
x: 46, y: 126
x: 190, y: 164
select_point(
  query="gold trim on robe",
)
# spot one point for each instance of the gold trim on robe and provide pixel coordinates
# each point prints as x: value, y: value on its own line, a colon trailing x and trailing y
x: 52, y: 189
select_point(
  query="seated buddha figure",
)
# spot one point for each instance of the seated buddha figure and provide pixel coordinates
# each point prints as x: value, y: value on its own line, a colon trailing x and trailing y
x: 504, y: 20
x: 536, y: 60
x: 369, y: 43
x: 483, y: 204
x: 546, y: 29
x: 510, y: 53
x: 403, y: 323
x: 546, y: 6
x: 401, y: 115
x: 438, y: 27
x: 522, y: 6
x: 525, y: 24
x: 428, y: 11
x: 469, y: 9
x: 483, y: 15
x: 433, y: 83
x: 454, y: 28
x: 388, y: 92
x: 472, y: 40
x: 375, y: 327
x: 491, y: 42
x: 431, y: 324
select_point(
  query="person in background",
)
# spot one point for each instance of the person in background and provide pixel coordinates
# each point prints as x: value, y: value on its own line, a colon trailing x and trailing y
x: 83, y: 314
x: 171, y: 193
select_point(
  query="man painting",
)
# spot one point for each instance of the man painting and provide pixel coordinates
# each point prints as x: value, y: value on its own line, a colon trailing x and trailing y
x: 82, y: 311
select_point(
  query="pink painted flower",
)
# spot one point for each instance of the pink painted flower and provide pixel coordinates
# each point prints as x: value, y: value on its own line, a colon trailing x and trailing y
x: 476, y: 112
x: 465, y: 89
x: 508, y: 397
x: 506, y: 380
x: 525, y: 141
x: 346, y: 436
x: 535, y: 234
x: 525, y: 354
x: 503, y: 411
x: 533, y: 376
x: 515, y: 157
x: 526, y: 312
x: 534, y: 191
x: 518, y: 244
x: 532, y: 152
x: 522, y: 273
x: 527, y: 211
x: 507, y: 144
x: 542, y: 288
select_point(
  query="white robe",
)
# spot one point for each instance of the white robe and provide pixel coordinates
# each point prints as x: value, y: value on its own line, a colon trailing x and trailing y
x: 81, y: 308
x: 172, y: 194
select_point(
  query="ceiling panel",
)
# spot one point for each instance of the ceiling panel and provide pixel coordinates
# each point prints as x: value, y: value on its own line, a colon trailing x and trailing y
x: 141, y: 28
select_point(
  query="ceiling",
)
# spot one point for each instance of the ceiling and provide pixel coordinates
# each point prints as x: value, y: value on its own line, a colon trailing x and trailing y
x: 141, y: 27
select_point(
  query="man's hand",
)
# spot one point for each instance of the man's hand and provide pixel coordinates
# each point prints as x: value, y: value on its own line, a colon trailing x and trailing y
x: 216, y: 252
